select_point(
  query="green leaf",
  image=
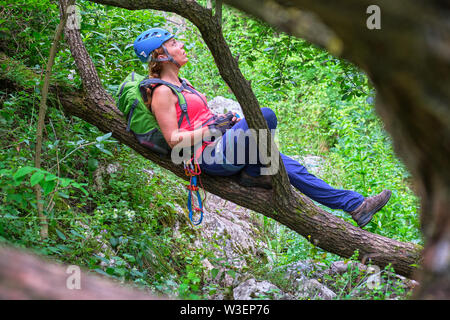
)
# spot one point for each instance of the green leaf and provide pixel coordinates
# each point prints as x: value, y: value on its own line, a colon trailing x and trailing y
x: 50, y: 177
x: 84, y: 191
x: 65, y: 182
x: 100, y: 147
x: 63, y: 195
x: 120, y: 271
x: 104, y: 137
x: 36, y: 178
x: 114, y: 242
x: 110, y: 271
x: 92, y: 164
x: 115, y: 47
x: 101, y: 258
x: 77, y: 234
x: 232, y: 273
x: 214, y: 273
x: 23, y: 172
x: 48, y: 186
x: 129, y: 258
x: 60, y: 234
x: 101, y: 272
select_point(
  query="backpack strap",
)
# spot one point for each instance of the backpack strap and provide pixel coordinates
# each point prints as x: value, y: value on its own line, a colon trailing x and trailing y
x: 130, y: 114
x: 191, y: 89
x: 176, y: 90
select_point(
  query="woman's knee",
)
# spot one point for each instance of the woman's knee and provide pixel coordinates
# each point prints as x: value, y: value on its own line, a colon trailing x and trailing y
x: 270, y: 117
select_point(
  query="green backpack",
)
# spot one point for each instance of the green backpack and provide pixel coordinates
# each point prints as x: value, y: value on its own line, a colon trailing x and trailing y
x: 140, y: 120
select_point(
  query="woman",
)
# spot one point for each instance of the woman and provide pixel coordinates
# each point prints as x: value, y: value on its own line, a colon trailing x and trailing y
x: 165, y: 56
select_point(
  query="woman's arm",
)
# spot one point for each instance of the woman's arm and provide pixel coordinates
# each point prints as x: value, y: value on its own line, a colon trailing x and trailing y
x: 163, y: 107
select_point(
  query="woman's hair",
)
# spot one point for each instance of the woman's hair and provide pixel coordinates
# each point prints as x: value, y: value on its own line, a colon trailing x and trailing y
x: 154, y: 71
x: 155, y: 67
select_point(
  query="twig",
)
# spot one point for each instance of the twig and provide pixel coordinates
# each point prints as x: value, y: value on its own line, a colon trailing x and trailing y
x: 41, y: 119
x: 50, y: 202
x: 77, y: 148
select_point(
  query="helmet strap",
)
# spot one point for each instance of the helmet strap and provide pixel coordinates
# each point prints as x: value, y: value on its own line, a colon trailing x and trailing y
x: 169, y: 57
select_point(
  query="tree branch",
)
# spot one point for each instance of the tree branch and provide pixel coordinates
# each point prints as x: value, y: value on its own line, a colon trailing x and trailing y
x: 287, y: 205
x: 25, y: 276
x: 41, y: 120
x: 300, y: 214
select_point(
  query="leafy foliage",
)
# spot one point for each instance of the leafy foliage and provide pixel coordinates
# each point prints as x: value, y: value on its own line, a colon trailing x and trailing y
x: 112, y: 211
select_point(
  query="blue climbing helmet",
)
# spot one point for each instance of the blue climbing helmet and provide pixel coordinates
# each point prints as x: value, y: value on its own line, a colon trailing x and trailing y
x: 150, y: 40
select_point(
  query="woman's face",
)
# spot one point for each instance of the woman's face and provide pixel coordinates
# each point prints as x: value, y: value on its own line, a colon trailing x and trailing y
x: 175, y: 49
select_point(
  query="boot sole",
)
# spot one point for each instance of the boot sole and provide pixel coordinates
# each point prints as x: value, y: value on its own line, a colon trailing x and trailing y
x: 371, y: 213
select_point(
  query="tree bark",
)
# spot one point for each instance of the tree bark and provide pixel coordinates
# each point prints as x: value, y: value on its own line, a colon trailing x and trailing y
x: 408, y: 61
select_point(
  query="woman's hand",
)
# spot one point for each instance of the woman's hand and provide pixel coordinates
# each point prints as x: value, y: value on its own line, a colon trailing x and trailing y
x: 236, y: 118
x: 224, y: 122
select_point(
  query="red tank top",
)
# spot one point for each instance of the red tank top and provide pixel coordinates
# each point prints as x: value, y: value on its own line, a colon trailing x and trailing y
x: 197, y: 110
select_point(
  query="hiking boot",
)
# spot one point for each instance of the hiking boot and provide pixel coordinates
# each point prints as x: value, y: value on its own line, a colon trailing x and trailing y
x: 364, y: 213
x: 248, y: 181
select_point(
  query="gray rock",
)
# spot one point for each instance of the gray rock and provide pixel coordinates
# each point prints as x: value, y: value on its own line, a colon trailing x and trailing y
x: 301, y: 270
x: 252, y: 289
x: 312, y: 163
x: 222, y: 105
x: 313, y: 289
x: 231, y: 234
x: 341, y: 267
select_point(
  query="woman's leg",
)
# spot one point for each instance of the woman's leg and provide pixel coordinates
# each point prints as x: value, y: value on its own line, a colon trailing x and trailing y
x: 243, y: 148
x: 299, y: 177
x: 319, y: 190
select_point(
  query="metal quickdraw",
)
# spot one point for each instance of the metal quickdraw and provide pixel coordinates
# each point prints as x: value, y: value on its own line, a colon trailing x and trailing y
x: 193, y: 171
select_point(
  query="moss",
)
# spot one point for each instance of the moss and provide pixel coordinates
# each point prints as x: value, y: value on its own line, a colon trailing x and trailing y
x: 16, y: 72
x: 342, y: 227
x: 109, y: 115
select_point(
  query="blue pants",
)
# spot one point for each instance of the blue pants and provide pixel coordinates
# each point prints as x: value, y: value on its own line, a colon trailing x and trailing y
x: 299, y: 177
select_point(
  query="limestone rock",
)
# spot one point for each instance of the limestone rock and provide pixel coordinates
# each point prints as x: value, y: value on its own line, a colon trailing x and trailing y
x: 313, y: 289
x: 222, y: 105
x: 252, y: 289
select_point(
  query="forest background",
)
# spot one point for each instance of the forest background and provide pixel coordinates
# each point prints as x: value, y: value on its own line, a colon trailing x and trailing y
x: 324, y: 106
